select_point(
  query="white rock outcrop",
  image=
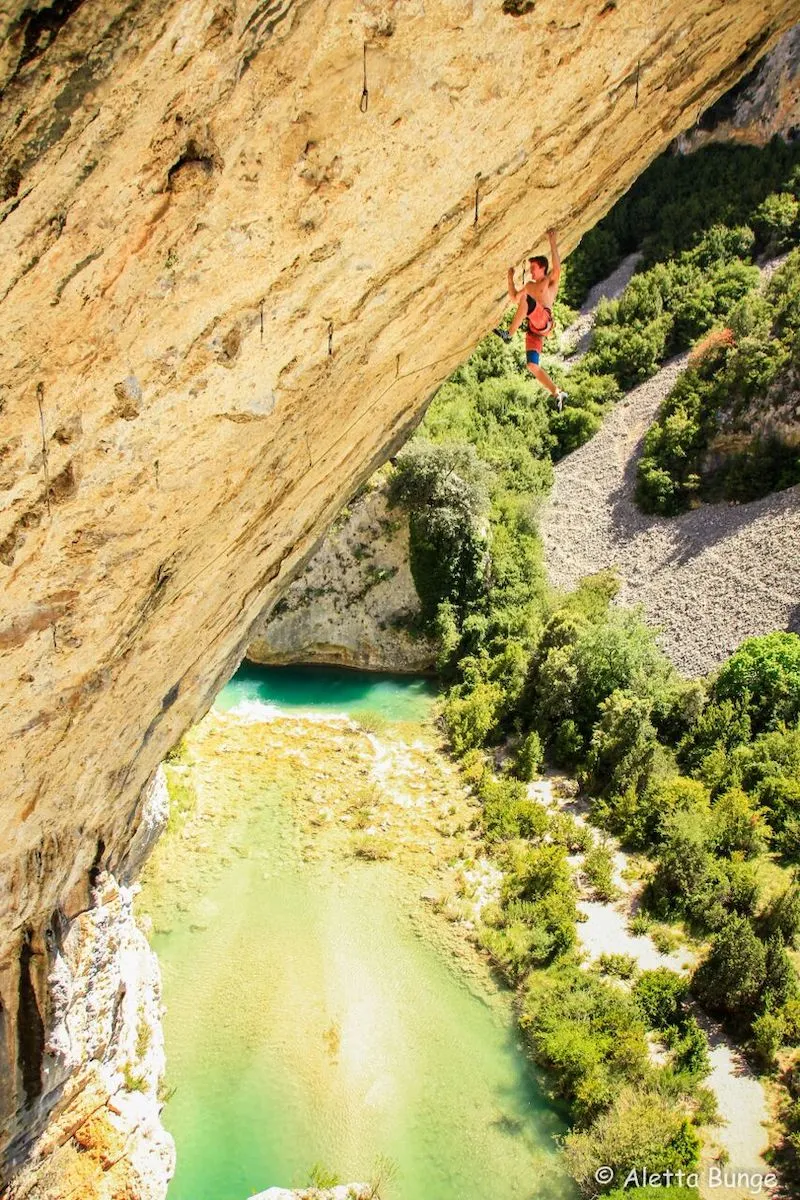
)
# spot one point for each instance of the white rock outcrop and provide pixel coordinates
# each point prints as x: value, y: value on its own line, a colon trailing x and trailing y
x: 355, y: 605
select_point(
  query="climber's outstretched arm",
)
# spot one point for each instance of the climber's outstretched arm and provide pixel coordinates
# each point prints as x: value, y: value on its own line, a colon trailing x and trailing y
x: 555, y: 269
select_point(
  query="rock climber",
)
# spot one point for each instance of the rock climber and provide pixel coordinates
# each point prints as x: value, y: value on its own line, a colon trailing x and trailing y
x: 535, y: 305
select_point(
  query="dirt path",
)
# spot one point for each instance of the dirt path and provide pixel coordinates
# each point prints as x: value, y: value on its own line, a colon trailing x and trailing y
x: 740, y: 1097
x: 709, y: 578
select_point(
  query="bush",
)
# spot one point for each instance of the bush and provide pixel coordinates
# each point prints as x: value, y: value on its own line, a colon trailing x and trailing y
x: 444, y: 490
x: 767, y: 1039
x: 507, y: 811
x: 781, y: 918
x: 598, y: 867
x: 470, y: 717
x: 690, y: 1050
x: 640, y: 924
x: 737, y: 826
x: 661, y: 995
x: 637, y: 1133
x: 621, y: 966
x: 777, y: 222
x: 622, y: 758
x: 586, y: 1033
x: 530, y: 756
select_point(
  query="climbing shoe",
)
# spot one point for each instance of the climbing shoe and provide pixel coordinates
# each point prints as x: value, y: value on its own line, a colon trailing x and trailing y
x: 560, y: 397
x: 503, y: 334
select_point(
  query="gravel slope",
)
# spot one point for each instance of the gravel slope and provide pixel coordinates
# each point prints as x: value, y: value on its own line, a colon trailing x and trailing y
x: 709, y: 578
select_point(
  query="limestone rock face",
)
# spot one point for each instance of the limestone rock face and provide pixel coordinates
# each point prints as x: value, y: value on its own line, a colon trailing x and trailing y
x: 104, y: 1056
x: 355, y: 601
x: 240, y: 245
x: 764, y: 104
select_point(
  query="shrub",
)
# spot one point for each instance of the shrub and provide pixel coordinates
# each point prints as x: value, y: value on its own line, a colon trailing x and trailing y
x: 767, y: 1038
x: 684, y: 865
x: 711, y: 349
x: 371, y: 847
x: 568, y: 745
x: 777, y: 222
x: 665, y: 939
x: 640, y: 924
x: 623, y: 756
x: 637, y: 1133
x: 564, y: 830
x: 630, y: 353
x: 737, y: 826
x: 507, y: 811
x: 529, y: 756
x: 370, y: 721
x: 781, y: 918
x: 690, y: 1050
x: 661, y: 995
x: 573, y: 427
x: 622, y: 966
x: 471, y: 716
x: 587, y: 1033
x: 598, y: 867
x: 444, y: 490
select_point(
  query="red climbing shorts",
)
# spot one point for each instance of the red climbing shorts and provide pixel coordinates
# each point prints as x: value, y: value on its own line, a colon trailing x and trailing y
x: 533, y: 347
x: 535, y: 340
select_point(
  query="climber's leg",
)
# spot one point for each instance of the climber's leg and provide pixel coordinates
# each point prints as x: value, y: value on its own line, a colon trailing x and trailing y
x: 532, y: 354
x: 519, y: 317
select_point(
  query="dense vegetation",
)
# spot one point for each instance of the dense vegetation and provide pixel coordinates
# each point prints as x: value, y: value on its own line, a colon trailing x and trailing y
x: 703, y: 776
x: 679, y: 198
x: 703, y: 442
x: 700, y: 223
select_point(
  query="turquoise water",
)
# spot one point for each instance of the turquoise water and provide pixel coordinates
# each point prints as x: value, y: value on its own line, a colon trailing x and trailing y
x: 310, y: 1019
x: 330, y: 689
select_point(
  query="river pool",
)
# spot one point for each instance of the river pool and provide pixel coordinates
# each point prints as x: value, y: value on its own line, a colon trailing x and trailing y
x: 311, y: 1018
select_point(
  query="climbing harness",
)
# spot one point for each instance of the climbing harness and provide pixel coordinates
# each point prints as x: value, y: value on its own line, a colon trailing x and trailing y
x: 542, y: 331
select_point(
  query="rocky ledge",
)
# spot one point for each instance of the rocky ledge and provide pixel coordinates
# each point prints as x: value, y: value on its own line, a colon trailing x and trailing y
x: 355, y: 605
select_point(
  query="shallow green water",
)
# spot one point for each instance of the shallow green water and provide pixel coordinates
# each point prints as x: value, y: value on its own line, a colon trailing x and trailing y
x: 310, y: 1021
x: 330, y: 689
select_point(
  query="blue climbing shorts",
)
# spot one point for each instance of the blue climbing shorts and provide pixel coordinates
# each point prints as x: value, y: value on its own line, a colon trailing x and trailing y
x: 532, y: 356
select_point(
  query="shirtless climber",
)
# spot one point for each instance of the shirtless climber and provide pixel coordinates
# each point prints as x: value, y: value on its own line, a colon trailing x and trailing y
x: 535, y: 302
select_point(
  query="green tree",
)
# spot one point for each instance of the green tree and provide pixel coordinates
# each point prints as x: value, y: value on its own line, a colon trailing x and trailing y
x: 732, y: 978
x: 767, y: 670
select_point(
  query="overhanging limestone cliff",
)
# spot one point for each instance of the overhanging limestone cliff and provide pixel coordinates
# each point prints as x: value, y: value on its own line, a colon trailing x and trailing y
x: 240, y: 245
